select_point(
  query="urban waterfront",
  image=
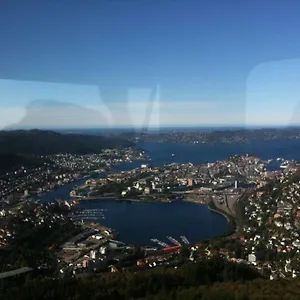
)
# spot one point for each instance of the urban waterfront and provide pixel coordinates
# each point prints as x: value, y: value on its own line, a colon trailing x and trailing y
x: 139, y: 222
x: 161, y: 153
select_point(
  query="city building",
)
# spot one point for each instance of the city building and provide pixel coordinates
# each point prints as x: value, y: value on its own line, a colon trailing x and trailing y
x: 114, y: 269
x: 252, y: 258
x: 190, y: 182
x: 93, y: 254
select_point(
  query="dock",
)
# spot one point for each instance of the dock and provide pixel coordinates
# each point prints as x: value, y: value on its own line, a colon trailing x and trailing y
x: 88, y: 214
x: 172, y: 240
x: 160, y: 243
x: 185, y: 240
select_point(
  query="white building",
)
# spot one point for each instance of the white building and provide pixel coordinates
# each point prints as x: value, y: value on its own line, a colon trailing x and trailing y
x: 252, y: 258
x: 102, y: 250
x: 93, y: 254
x: 236, y: 184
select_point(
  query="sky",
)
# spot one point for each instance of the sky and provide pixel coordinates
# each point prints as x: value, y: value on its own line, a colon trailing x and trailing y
x: 149, y: 62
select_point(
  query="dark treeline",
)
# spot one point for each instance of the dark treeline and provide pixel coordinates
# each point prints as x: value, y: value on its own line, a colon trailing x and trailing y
x: 44, y: 142
x: 11, y: 161
x: 186, y: 282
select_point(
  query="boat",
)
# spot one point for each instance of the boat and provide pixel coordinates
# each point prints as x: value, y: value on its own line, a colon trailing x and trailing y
x: 283, y: 166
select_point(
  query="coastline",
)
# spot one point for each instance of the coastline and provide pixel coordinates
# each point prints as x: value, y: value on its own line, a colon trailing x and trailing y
x: 216, y: 210
x: 231, y: 221
x: 228, y: 217
x: 117, y: 199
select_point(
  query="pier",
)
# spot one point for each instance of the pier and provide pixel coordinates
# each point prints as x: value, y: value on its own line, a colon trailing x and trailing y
x: 89, y: 214
x: 185, y: 240
x: 160, y: 243
x: 172, y: 240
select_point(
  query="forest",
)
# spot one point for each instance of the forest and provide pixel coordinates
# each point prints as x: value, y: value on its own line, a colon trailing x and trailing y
x: 43, y: 142
x: 213, y: 278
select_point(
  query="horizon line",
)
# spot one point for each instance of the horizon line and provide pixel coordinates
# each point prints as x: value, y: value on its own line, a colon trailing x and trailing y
x: 144, y: 128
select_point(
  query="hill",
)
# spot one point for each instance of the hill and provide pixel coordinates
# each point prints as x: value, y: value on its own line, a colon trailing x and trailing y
x: 157, y: 285
x: 10, y: 161
x: 42, y: 142
x: 190, y: 281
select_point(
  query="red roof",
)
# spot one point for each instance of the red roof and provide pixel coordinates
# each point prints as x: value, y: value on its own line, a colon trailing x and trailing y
x: 114, y: 268
x: 172, y: 248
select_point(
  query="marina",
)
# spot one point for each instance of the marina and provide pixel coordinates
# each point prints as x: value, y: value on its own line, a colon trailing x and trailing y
x: 88, y: 214
x: 172, y: 240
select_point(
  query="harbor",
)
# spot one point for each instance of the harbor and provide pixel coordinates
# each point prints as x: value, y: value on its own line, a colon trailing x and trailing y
x: 96, y: 215
x: 88, y: 215
x: 139, y: 222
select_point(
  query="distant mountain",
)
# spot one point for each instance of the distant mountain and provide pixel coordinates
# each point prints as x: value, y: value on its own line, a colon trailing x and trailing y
x: 43, y: 142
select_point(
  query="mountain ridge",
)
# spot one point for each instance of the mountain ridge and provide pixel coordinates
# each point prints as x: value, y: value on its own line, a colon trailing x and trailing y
x: 45, y: 142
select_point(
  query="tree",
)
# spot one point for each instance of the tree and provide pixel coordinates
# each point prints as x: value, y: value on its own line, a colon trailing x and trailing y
x: 185, y: 251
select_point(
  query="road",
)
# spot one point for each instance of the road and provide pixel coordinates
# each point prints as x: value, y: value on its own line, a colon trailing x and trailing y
x: 15, y: 272
x: 230, y: 206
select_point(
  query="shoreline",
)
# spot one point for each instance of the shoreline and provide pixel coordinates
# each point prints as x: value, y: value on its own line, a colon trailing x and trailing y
x: 117, y: 199
x: 218, y: 211
x: 88, y: 176
x: 231, y: 220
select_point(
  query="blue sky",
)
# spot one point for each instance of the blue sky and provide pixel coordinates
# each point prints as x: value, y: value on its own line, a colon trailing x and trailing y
x: 205, y: 62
